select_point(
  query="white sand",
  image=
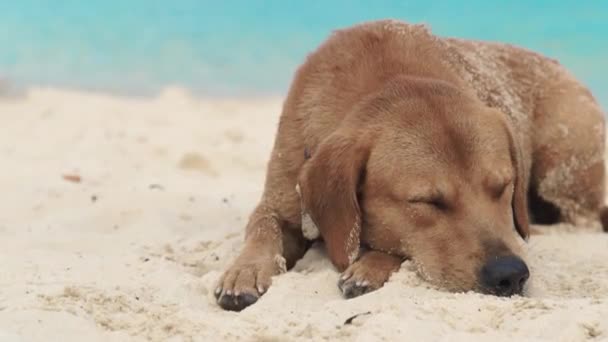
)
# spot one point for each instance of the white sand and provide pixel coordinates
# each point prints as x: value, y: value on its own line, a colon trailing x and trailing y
x: 114, y: 258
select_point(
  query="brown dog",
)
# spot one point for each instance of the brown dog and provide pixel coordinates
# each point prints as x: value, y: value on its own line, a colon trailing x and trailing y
x: 402, y: 144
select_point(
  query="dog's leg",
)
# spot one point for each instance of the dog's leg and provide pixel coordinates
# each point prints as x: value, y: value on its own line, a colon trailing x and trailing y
x: 567, y: 183
x: 368, y: 273
x: 271, y: 247
x: 274, y: 240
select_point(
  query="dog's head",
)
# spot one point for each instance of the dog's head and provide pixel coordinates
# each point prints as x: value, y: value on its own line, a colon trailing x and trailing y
x: 424, y: 171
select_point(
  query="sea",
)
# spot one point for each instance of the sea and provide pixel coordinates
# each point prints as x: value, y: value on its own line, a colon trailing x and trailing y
x: 252, y: 47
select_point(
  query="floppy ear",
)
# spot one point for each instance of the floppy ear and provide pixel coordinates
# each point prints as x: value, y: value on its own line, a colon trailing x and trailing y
x: 519, y: 202
x: 328, y: 186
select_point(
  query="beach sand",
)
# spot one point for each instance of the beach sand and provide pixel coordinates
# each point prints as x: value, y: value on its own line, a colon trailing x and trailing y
x: 120, y: 213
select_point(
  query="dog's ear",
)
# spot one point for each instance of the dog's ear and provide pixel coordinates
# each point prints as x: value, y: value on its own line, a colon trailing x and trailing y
x: 519, y: 202
x: 328, y: 185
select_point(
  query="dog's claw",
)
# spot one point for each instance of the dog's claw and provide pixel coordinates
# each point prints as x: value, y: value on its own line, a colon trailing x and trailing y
x: 352, y: 289
x: 236, y: 302
x: 244, y: 283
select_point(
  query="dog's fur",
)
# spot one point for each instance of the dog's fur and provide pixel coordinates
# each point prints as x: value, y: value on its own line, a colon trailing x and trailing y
x: 402, y: 144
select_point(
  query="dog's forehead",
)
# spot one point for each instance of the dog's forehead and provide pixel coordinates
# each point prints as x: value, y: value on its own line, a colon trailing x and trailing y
x: 469, y: 146
x: 465, y: 133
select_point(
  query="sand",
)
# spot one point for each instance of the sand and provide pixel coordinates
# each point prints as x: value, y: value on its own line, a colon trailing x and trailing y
x: 119, y: 214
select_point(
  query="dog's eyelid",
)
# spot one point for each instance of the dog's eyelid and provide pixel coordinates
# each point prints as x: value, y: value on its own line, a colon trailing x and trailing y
x: 423, y: 198
x: 437, y: 200
x: 503, y: 186
x: 497, y: 185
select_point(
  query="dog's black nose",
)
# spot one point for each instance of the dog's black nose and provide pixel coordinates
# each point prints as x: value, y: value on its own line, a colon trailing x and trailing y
x: 504, y: 276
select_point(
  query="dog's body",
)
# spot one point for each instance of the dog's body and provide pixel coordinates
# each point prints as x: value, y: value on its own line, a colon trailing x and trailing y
x: 406, y: 144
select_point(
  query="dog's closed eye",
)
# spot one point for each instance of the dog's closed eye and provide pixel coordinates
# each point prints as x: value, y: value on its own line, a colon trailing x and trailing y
x: 498, y: 188
x: 435, y: 200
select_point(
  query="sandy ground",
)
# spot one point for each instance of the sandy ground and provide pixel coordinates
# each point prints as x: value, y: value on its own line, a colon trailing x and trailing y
x: 118, y: 215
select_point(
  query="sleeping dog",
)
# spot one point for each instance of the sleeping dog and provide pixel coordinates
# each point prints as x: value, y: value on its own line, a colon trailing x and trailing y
x: 395, y: 143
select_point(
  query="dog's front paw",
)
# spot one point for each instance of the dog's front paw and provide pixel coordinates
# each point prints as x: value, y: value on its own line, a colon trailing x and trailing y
x: 245, y: 281
x: 368, y: 273
x: 357, y: 281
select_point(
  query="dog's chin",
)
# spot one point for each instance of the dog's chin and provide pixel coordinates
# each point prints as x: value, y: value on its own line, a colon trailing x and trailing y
x: 455, y: 284
x: 446, y: 282
x: 448, y: 286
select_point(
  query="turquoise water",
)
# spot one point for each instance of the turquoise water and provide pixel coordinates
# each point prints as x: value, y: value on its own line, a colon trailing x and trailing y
x: 252, y: 47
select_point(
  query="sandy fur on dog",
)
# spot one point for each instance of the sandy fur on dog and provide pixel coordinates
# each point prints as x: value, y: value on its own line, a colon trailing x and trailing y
x: 118, y: 215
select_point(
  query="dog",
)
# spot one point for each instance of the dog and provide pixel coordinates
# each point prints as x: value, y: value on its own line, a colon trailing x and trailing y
x: 395, y: 144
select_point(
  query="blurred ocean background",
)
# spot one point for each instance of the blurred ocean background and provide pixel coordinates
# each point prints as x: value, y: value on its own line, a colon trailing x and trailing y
x: 251, y: 48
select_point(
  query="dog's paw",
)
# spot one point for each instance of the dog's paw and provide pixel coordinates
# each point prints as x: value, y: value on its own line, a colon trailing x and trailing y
x: 367, y: 274
x: 352, y: 287
x: 245, y: 281
x: 357, y: 281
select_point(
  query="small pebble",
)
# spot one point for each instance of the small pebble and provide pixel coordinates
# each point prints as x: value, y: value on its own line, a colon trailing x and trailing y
x: 156, y: 187
x: 72, y: 178
x: 351, y: 319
